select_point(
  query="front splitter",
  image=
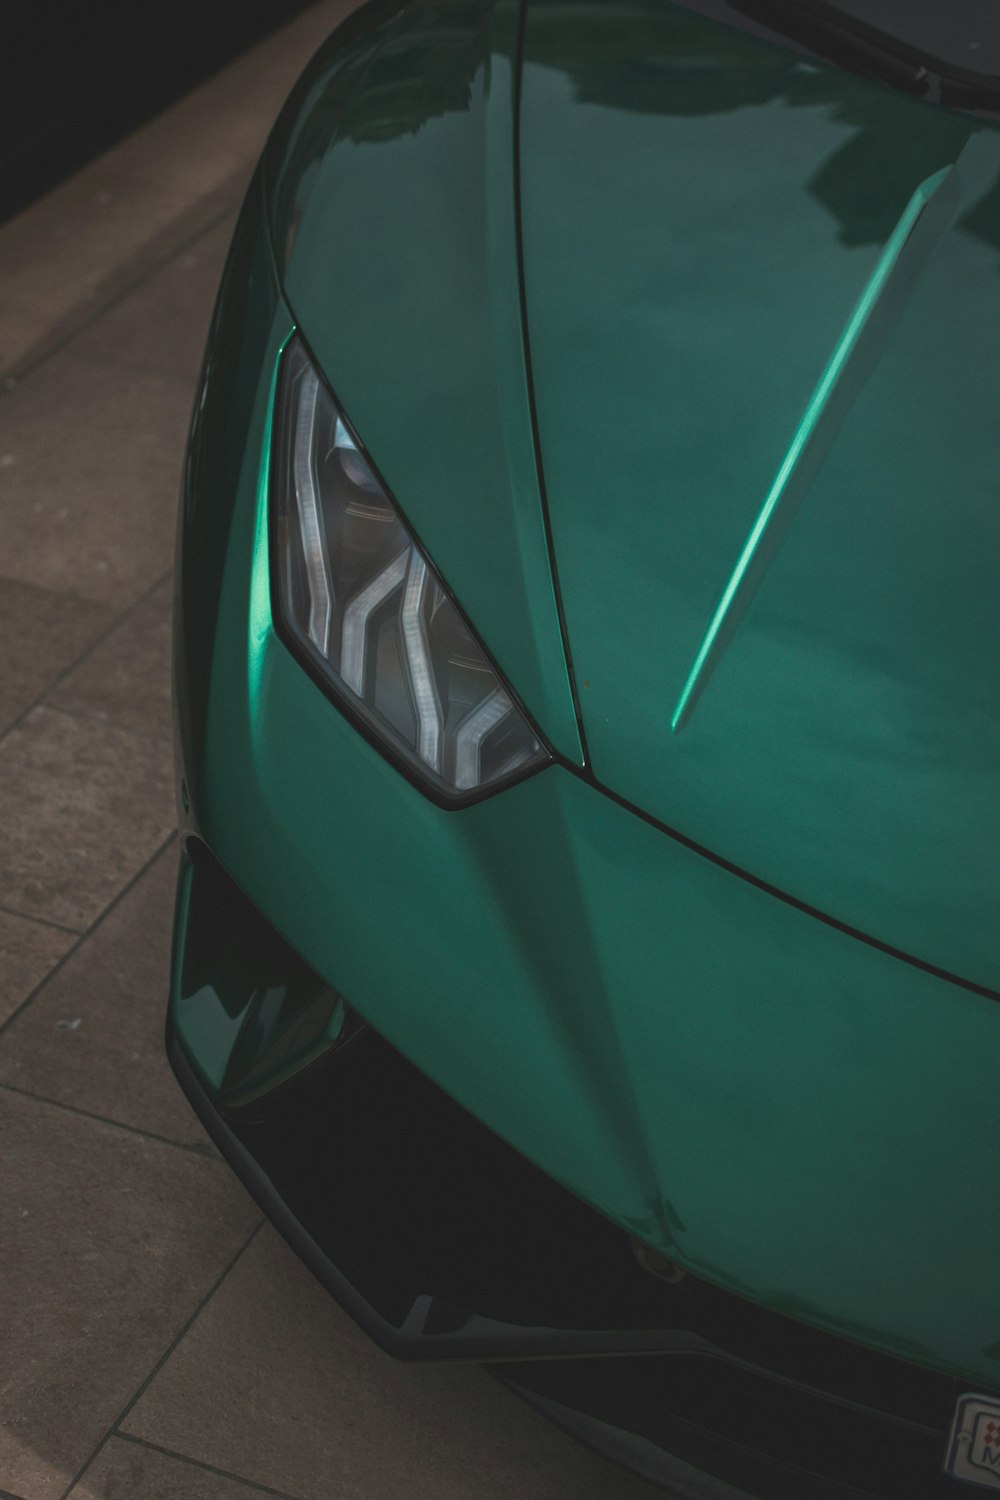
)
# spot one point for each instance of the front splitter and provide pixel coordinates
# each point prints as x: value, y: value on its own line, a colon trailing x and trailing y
x: 441, y: 1241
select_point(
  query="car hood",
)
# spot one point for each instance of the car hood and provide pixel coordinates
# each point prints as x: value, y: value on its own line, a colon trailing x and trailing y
x: 701, y: 215
x: 763, y: 305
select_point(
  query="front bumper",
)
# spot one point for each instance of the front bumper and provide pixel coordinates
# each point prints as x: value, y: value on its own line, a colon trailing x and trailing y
x: 444, y: 1242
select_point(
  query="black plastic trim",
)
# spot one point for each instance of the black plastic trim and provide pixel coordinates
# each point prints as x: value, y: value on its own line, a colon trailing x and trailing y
x: 483, y: 1339
x: 637, y: 1454
x: 266, y: 1196
x: 443, y: 1232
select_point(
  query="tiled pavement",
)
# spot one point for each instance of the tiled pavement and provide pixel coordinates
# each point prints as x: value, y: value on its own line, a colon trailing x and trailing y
x: 156, y: 1340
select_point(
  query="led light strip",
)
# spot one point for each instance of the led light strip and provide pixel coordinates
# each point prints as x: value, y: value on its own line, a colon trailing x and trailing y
x: 472, y: 731
x: 307, y: 503
x: 430, y: 720
x: 354, y: 639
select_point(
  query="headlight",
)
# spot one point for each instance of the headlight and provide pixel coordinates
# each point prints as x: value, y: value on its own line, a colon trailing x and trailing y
x: 364, y: 606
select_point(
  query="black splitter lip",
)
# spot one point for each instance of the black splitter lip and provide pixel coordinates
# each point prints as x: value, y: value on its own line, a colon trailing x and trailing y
x: 771, y: 1416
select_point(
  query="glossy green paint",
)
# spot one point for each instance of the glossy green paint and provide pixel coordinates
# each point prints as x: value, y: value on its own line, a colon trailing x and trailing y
x: 929, y: 214
x: 781, y: 1107
x: 226, y: 406
x: 396, y: 223
x: 775, y: 329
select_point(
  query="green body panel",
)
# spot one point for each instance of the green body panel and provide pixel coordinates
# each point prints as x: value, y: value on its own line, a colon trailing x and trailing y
x: 782, y: 1107
x: 399, y: 248
x: 724, y: 207
x: 215, y: 463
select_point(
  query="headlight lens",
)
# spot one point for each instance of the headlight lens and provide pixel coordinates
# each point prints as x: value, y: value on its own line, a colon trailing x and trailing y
x: 360, y: 600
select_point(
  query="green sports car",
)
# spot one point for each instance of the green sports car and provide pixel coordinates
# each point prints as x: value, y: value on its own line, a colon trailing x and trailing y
x: 588, y: 719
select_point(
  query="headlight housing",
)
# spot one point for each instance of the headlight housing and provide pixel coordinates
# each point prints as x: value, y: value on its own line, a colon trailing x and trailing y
x: 363, y: 606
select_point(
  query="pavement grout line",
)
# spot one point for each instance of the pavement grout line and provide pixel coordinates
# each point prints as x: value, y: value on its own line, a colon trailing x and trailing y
x: 78, y: 661
x: 16, y: 374
x: 113, y: 1429
x: 253, y: 1484
x: 75, y: 947
x: 9, y: 1495
x: 96, y: 716
x: 203, y: 1149
x: 29, y: 916
x: 10, y: 911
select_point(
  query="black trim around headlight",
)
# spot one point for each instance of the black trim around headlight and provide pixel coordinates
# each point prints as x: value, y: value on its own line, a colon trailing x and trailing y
x: 362, y: 607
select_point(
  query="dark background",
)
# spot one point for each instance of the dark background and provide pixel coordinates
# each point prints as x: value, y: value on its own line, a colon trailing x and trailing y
x: 77, y: 75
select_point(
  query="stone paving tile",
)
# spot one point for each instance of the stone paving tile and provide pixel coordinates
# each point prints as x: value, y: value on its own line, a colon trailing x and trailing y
x: 90, y: 463
x: 111, y: 1241
x: 163, y: 324
x: 274, y: 1382
x: 125, y: 680
x: 92, y: 1037
x: 41, y: 633
x: 28, y: 950
x: 70, y: 253
x: 83, y: 806
x: 135, y: 207
x: 126, y: 1470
